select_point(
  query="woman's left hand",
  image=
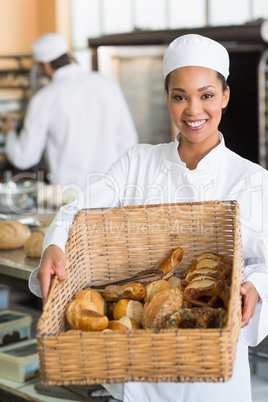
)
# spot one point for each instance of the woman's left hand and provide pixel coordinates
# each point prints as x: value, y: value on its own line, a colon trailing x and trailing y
x: 250, y: 299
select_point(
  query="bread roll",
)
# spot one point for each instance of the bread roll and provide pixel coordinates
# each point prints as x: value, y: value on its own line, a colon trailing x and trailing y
x: 112, y: 293
x: 123, y: 324
x: 34, y: 244
x: 134, y: 291
x: 13, y: 234
x: 87, y: 311
x: 129, y: 308
x: 80, y: 315
x: 93, y: 296
x: 116, y: 325
x: 129, y: 322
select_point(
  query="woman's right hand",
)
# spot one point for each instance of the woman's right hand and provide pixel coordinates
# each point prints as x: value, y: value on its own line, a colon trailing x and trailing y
x: 52, y: 263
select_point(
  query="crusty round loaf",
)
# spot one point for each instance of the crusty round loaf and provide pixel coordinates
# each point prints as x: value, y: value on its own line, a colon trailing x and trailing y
x: 164, y: 303
x: 13, y: 234
x: 34, y: 244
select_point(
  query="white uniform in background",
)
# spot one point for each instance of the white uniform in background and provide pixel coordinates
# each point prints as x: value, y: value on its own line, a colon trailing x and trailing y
x: 149, y: 174
x: 81, y: 120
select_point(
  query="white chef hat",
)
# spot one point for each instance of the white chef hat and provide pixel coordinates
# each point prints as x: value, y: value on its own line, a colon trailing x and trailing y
x: 49, y: 47
x: 196, y: 50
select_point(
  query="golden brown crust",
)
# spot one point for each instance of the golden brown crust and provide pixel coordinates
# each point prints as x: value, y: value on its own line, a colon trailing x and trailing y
x: 208, y: 280
x: 112, y: 293
x: 13, y: 234
x: 124, y: 324
x: 209, y: 260
x: 80, y: 315
x: 129, y: 308
x: 171, y: 261
x: 206, y: 289
x: 34, y: 244
x: 87, y: 312
x: 93, y: 296
x: 134, y: 291
x: 116, y: 325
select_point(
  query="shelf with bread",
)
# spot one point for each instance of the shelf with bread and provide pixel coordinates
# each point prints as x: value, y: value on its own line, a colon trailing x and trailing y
x: 15, y: 85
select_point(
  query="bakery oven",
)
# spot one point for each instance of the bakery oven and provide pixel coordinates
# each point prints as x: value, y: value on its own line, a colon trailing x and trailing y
x: 138, y: 69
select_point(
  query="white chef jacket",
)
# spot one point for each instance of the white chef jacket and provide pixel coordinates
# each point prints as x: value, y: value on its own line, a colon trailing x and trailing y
x: 152, y: 174
x: 83, y: 123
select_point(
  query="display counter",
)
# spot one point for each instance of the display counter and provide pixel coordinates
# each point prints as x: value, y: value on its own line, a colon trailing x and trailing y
x: 15, y: 268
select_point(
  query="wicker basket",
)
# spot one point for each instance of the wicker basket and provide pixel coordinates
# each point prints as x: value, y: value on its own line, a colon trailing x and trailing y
x: 106, y: 244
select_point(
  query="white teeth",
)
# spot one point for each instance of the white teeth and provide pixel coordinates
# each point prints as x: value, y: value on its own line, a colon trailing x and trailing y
x: 195, y: 123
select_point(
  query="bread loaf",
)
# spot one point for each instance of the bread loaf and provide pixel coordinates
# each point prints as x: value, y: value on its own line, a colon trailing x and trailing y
x: 156, y: 287
x: 13, y: 234
x: 34, y: 244
x: 163, y: 304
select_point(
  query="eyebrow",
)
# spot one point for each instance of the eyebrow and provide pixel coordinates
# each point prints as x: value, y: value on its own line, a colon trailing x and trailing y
x: 199, y: 89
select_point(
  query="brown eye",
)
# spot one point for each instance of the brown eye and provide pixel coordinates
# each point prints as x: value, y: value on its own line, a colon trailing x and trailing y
x: 208, y: 96
x: 178, y: 97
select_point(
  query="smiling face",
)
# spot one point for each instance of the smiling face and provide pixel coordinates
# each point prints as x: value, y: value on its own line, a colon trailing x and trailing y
x: 196, y: 99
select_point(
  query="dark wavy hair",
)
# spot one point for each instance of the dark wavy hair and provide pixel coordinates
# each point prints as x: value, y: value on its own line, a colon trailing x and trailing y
x: 61, y: 61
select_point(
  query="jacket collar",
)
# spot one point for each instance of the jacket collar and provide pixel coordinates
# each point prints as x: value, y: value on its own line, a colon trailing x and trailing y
x: 209, y: 161
x: 66, y: 71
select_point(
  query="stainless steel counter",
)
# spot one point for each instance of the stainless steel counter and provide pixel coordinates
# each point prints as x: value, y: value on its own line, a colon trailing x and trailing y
x: 15, y: 264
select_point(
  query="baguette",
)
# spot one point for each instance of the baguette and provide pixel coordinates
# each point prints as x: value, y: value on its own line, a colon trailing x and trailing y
x: 170, y: 263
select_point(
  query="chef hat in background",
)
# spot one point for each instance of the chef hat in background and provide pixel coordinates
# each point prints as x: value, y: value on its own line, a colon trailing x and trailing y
x: 196, y: 50
x: 49, y: 47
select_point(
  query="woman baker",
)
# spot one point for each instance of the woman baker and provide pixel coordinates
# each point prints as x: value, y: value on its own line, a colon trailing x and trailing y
x: 197, y: 166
